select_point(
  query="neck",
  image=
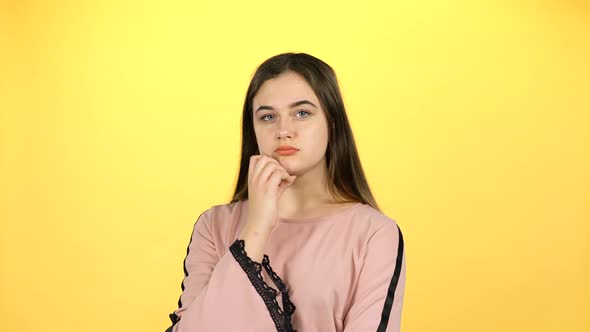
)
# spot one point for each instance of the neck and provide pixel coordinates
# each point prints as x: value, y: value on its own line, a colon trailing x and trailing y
x: 307, y: 192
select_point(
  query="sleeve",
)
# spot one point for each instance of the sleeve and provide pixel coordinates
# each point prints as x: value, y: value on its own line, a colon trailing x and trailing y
x: 378, y: 296
x: 229, y: 293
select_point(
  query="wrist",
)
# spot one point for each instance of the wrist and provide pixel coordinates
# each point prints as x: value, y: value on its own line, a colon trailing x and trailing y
x: 255, y: 232
x: 254, y: 243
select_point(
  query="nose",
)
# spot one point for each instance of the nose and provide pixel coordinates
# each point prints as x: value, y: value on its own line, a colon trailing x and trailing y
x: 284, y: 129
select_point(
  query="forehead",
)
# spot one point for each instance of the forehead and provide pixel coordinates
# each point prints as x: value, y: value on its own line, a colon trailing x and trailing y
x: 283, y: 90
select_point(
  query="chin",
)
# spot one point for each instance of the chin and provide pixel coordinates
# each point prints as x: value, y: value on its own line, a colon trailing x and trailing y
x: 287, y: 164
x: 297, y: 168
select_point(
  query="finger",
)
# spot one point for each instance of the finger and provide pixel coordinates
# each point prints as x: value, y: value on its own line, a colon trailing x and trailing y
x: 260, y: 163
x: 256, y: 164
x: 275, y: 161
x: 269, y: 169
x: 281, y: 171
x: 285, y: 175
x: 270, y: 159
x: 251, y: 165
x: 291, y: 178
x: 284, y: 184
x: 275, y: 180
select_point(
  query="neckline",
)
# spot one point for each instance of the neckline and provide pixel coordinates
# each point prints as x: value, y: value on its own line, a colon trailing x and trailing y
x: 320, y: 218
x: 313, y: 219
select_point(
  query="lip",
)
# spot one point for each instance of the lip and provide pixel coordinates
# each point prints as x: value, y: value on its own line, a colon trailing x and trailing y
x: 286, y: 148
x: 286, y: 152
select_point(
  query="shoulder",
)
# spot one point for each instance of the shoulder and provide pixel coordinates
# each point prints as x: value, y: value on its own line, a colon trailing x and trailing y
x: 225, y: 211
x: 220, y: 217
x: 373, y: 219
x: 219, y: 210
x: 374, y: 226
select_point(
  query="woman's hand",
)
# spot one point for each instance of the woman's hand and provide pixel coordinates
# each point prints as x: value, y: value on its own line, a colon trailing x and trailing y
x: 267, y: 180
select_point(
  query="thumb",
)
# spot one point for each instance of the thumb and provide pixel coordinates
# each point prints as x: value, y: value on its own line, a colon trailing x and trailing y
x: 285, y: 184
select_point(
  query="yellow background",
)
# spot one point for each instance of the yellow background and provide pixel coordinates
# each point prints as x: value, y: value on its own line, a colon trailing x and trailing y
x: 120, y: 124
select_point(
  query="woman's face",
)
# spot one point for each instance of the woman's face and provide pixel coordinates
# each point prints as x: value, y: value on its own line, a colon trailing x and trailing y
x: 287, y: 112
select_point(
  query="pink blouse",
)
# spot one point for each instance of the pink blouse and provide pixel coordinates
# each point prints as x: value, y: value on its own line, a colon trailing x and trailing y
x: 342, y: 272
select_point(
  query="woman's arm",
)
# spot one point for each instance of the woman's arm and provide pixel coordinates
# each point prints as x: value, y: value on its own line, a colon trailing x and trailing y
x: 255, y: 242
x: 228, y: 294
x: 378, y: 297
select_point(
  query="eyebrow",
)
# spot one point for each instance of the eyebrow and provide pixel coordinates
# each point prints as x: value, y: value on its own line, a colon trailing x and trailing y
x: 301, y: 102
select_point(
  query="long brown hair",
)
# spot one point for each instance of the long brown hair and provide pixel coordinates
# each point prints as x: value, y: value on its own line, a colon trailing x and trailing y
x: 346, y: 180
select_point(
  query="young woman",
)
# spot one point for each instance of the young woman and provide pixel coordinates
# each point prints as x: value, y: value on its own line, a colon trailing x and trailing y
x: 302, y: 202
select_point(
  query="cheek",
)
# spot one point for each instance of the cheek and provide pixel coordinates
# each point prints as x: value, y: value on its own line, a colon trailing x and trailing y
x: 316, y: 138
x: 266, y: 141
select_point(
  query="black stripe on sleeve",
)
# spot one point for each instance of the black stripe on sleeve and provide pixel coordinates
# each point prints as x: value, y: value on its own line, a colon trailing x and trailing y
x: 173, y: 317
x: 392, y: 284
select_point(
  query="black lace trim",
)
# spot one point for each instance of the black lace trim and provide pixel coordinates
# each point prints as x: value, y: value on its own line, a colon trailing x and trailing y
x: 253, y: 270
x: 288, y: 306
